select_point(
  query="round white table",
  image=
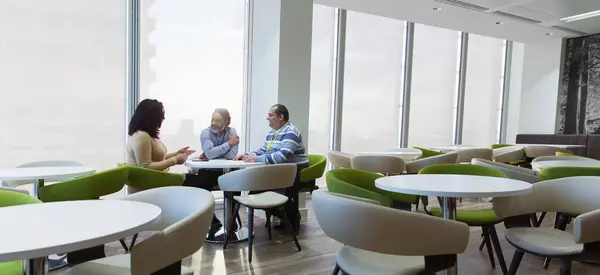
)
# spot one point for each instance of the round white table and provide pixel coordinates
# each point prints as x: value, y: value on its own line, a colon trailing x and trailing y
x: 450, y: 148
x: 242, y: 233
x: 407, y: 154
x: 450, y: 187
x: 36, y: 174
x: 83, y: 224
x: 539, y: 165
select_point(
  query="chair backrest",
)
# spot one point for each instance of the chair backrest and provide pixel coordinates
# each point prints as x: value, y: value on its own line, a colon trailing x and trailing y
x: 14, y: 190
x: 462, y: 169
x: 551, y: 158
x: 259, y: 178
x: 413, y: 167
x: 339, y: 159
x: 574, y: 195
x: 511, y: 171
x: 540, y: 151
x: 561, y: 154
x: 185, y: 219
x: 508, y: 154
x: 379, y: 164
x: 497, y: 146
x: 426, y: 153
x: 356, y: 183
x: 380, y: 229
x: 88, y: 187
x: 551, y: 173
x: 467, y: 154
x: 316, y: 168
x: 43, y: 163
x: 144, y: 178
x: 12, y: 198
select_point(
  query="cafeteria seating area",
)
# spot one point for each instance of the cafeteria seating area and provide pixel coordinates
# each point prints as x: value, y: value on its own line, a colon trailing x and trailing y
x: 300, y: 137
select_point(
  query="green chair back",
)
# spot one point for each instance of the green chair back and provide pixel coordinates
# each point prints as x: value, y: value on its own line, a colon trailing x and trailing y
x: 496, y: 146
x: 88, y: 187
x: 563, y: 154
x: 551, y: 173
x: 143, y: 178
x: 425, y: 153
x: 10, y: 198
x: 315, y: 169
x: 462, y: 169
x: 356, y: 183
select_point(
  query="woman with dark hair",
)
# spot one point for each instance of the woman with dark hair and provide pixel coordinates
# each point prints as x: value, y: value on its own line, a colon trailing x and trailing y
x: 144, y: 147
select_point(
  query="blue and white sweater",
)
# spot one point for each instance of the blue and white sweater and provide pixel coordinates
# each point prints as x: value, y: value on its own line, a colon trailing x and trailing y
x: 284, y: 146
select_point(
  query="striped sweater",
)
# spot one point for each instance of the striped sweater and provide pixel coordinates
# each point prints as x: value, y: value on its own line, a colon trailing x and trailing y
x: 283, y: 146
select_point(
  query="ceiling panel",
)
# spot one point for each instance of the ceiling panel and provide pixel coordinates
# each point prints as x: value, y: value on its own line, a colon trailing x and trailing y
x: 533, y: 14
x: 563, y: 8
x: 590, y: 25
x: 487, y: 3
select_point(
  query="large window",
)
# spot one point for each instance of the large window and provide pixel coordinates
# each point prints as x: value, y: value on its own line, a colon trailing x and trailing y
x: 372, y: 82
x: 320, y: 79
x: 482, y: 93
x: 434, y: 74
x: 62, y: 81
x: 193, y: 61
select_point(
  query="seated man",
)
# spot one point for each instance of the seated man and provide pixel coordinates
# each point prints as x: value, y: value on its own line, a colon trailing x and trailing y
x: 218, y: 141
x: 282, y: 145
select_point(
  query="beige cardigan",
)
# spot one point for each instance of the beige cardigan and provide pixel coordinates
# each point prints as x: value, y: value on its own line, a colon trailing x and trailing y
x: 145, y: 151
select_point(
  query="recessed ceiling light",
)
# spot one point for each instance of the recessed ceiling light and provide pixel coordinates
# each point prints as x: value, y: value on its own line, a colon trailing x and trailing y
x: 581, y: 16
x: 436, y: 9
x: 499, y: 23
x: 549, y: 33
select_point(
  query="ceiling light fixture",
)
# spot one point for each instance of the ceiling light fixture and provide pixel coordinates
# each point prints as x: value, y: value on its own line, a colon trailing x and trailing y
x: 436, y: 9
x: 499, y: 23
x: 549, y: 33
x: 580, y: 16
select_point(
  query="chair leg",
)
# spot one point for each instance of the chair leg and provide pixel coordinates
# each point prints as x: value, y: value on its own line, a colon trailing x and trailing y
x: 482, y: 242
x: 239, y: 220
x: 499, y: 254
x: 268, y: 226
x: 560, y: 222
x: 124, y: 245
x: 229, y: 229
x: 540, y: 219
x: 133, y: 241
x: 516, y: 261
x: 289, y: 227
x: 488, y: 244
x: 250, y: 233
x: 565, y: 266
x: 336, y: 269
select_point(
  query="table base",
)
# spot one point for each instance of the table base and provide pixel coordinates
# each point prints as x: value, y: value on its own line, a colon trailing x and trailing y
x: 449, y: 213
x: 37, y: 266
x: 239, y: 235
x: 54, y: 264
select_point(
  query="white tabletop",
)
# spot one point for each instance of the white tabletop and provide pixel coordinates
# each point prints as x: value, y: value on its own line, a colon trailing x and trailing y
x: 221, y: 163
x: 453, y: 186
x: 405, y: 153
x: 449, y: 148
x: 36, y: 230
x: 562, y: 146
x: 539, y: 165
x: 45, y: 173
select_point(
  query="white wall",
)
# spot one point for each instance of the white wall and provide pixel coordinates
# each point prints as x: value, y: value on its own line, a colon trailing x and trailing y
x: 535, y: 80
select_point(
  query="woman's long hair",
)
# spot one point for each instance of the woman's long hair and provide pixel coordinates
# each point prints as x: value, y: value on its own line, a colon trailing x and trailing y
x: 148, y: 117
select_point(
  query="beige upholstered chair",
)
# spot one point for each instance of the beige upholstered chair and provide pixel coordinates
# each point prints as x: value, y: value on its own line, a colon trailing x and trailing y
x: 540, y: 151
x: 508, y: 154
x: 185, y: 219
x: 387, y: 165
x: 339, y: 159
x: 260, y: 178
x: 513, y: 172
x: 467, y: 154
x: 565, y: 195
x: 413, y: 167
x: 406, y: 243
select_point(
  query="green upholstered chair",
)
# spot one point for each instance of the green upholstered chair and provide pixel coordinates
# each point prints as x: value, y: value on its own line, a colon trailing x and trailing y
x: 496, y: 146
x: 143, y: 178
x: 315, y: 170
x: 12, y: 198
x: 484, y: 218
x: 88, y: 187
x: 356, y: 183
x: 562, y: 154
x: 425, y: 153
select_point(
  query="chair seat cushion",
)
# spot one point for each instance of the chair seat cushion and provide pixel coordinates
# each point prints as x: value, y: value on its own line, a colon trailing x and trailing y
x: 476, y: 217
x: 263, y: 200
x: 11, y: 268
x: 114, y: 265
x: 544, y: 241
x: 358, y: 262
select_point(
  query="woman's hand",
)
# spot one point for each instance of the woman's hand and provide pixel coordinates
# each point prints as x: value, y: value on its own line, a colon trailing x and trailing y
x: 181, y: 158
x: 186, y: 150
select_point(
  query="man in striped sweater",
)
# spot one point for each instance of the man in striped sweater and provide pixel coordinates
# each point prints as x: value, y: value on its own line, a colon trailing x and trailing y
x: 283, y: 144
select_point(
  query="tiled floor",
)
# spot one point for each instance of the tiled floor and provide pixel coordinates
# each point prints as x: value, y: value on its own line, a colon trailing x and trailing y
x: 318, y: 252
